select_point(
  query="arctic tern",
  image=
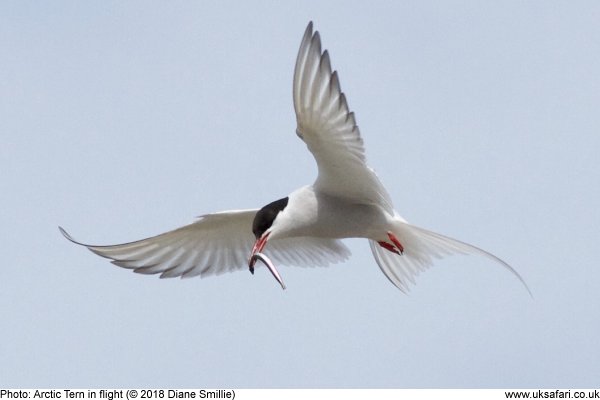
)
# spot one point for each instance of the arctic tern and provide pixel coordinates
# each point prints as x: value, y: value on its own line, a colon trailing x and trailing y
x: 347, y: 200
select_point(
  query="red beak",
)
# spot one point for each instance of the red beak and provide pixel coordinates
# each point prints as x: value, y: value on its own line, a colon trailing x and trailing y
x: 257, y: 248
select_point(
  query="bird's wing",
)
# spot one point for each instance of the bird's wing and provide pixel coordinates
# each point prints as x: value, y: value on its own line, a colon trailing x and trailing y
x: 329, y: 129
x: 214, y: 244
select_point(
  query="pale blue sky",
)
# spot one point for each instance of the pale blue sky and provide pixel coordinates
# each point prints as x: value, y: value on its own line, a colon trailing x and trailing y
x: 122, y: 120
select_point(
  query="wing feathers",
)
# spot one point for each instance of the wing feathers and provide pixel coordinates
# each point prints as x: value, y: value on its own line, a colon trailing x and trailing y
x: 329, y: 129
x: 215, y: 244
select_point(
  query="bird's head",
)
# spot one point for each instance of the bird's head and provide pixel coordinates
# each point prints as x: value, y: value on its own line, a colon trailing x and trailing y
x: 262, y: 226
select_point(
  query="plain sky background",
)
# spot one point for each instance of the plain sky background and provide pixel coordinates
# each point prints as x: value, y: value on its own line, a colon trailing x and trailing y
x: 121, y: 120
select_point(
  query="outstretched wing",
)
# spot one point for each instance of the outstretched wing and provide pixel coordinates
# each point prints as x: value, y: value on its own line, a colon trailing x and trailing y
x: 329, y: 129
x: 214, y: 244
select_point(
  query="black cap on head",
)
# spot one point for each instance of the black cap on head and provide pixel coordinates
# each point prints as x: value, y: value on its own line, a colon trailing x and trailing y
x: 265, y: 216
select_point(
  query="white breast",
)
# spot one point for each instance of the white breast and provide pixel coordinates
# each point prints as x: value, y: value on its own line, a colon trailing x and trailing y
x: 312, y: 213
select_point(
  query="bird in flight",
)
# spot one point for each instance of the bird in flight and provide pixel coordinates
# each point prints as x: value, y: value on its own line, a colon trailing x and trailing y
x: 347, y: 200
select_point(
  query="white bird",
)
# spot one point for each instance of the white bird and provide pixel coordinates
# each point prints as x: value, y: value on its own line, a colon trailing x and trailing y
x: 347, y: 200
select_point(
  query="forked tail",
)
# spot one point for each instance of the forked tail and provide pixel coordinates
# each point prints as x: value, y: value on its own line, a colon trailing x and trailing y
x: 421, y: 247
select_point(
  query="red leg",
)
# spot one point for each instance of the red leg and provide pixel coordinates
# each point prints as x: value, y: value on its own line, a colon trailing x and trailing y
x: 388, y: 247
x: 396, y: 242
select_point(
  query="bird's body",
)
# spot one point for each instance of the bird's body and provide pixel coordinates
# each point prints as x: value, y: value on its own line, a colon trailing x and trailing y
x: 347, y: 200
x: 311, y: 212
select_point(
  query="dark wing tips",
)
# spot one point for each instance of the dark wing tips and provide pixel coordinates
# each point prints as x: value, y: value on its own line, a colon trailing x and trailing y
x: 308, y: 31
x: 69, y: 237
x: 301, y: 59
x: 316, y: 43
x: 306, y: 40
x: 325, y: 64
x: 93, y: 248
x: 72, y: 240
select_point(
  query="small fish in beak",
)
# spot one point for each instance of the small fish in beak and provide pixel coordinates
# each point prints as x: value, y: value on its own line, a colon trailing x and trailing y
x: 267, y: 261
